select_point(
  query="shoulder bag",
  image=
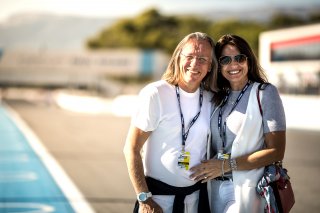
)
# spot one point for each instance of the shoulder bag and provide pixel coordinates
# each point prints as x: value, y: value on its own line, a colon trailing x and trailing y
x: 275, y: 185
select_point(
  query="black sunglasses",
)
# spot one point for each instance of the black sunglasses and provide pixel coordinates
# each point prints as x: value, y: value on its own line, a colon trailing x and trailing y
x: 225, y: 60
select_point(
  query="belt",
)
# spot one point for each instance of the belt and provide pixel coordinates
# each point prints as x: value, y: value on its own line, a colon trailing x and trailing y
x: 223, y: 178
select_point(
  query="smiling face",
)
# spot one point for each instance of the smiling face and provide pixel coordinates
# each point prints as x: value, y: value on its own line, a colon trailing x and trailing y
x: 236, y: 73
x: 195, y: 62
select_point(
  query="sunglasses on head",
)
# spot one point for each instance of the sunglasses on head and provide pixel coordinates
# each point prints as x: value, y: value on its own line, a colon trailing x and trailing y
x: 225, y: 60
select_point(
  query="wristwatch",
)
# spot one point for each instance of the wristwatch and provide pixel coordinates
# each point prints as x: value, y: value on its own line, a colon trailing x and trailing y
x: 143, y: 196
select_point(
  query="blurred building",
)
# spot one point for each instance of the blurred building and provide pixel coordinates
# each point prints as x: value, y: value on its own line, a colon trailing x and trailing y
x: 291, y: 58
x: 81, y: 69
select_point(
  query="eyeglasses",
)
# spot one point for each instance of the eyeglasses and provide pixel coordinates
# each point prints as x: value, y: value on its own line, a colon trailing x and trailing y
x: 201, y: 60
x: 225, y: 60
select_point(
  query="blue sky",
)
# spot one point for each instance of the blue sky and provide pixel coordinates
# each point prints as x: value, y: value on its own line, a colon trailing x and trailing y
x: 120, y: 8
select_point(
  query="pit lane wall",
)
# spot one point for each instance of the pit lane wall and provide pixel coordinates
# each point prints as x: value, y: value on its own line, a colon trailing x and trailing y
x: 77, y: 68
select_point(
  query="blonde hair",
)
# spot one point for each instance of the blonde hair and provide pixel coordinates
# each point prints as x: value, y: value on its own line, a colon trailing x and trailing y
x: 173, y: 73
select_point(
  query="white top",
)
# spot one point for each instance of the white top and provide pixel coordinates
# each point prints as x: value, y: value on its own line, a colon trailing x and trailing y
x: 158, y: 112
x: 247, y: 141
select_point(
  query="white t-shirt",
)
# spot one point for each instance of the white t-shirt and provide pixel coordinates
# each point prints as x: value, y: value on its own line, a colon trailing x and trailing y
x: 158, y: 112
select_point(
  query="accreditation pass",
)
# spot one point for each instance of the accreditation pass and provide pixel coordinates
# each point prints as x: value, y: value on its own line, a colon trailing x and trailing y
x: 184, y: 160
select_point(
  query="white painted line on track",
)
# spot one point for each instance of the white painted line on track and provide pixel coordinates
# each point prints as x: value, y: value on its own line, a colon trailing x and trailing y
x: 74, y: 196
x: 22, y: 158
x: 21, y: 176
x: 36, y: 207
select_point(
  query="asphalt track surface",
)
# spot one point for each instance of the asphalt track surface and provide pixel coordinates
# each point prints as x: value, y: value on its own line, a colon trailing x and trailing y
x: 89, y: 148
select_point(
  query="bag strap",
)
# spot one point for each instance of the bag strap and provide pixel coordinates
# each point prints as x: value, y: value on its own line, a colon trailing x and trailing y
x: 261, y: 86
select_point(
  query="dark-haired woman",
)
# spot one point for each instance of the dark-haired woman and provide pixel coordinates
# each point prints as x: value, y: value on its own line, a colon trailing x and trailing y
x: 247, y: 132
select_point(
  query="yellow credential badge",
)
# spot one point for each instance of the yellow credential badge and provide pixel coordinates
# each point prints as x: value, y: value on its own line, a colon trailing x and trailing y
x: 184, y: 160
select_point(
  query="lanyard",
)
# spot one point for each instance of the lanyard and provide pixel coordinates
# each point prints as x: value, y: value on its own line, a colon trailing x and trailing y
x: 184, y: 132
x: 223, y: 132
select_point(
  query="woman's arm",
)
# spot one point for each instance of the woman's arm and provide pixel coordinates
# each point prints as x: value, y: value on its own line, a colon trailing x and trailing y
x: 274, y: 151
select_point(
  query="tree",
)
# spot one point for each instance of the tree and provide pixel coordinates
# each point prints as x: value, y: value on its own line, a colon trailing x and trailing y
x: 314, y: 18
x: 247, y: 29
x: 151, y: 30
x: 148, y: 31
x: 284, y: 20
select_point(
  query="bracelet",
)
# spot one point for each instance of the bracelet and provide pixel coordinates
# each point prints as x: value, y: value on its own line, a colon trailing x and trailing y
x: 222, y: 167
x: 233, y: 164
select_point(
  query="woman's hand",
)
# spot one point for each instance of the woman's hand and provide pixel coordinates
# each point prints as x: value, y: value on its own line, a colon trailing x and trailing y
x: 207, y: 170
